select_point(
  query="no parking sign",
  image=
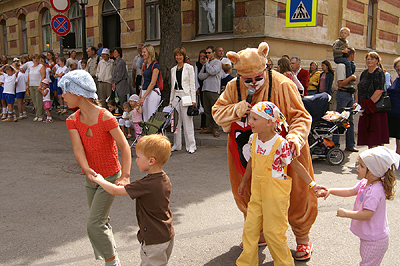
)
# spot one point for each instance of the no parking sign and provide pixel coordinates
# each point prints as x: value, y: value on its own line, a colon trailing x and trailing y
x: 60, y: 25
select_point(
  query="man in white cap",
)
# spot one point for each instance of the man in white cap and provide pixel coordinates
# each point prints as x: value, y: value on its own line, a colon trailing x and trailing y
x: 232, y: 106
x: 104, y: 76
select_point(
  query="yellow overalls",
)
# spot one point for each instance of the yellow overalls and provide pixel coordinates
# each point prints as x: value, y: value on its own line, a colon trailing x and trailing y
x: 267, y: 209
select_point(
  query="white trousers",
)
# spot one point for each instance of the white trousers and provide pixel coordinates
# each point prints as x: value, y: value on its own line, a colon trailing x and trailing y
x: 187, y: 123
x: 150, y: 103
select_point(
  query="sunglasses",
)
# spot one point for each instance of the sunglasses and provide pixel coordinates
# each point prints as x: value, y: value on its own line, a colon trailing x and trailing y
x: 256, y: 79
x: 208, y: 52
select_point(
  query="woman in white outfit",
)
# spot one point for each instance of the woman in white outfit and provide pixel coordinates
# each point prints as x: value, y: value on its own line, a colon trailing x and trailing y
x: 183, y: 84
x: 150, y: 94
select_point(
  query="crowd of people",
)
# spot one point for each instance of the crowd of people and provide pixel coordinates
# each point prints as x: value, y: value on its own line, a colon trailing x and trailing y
x: 268, y: 128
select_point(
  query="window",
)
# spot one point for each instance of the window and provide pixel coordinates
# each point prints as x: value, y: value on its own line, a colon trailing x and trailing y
x: 370, y: 24
x: 75, y: 16
x: 215, y: 16
x: 4, y: 35
x: 152, y: 20
x: 109, y: 8
x: 24, y: 39
x: 47, y: 31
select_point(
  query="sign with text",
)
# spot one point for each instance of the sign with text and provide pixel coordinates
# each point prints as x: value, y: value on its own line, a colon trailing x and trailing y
x: 301, y: 13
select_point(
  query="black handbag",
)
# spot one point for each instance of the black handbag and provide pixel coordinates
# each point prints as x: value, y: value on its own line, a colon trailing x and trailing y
x: 384, y: 104
x: 192, y: 111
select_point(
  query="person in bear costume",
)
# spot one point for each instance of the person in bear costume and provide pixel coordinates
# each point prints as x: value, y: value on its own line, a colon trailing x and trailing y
x: 231, y: 110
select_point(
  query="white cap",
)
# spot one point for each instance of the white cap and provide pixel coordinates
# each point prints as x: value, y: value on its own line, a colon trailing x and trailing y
x: 134, y: 97
x: 226, y: 61
x: 105, y: 51
x: 15, y: 59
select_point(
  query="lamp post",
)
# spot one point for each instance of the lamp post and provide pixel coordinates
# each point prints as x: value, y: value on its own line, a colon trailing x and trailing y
x: 83, y: 3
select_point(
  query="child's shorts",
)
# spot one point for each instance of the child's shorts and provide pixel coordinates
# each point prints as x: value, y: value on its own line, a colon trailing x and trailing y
x: 1, y: 93
x: 59, y: 91
x: 20, y: 95
x: 51, y: 86
x: 47, y: 105
x: 10, y: 98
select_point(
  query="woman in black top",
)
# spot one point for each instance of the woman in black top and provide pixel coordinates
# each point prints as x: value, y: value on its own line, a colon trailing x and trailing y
x: 372, y: 127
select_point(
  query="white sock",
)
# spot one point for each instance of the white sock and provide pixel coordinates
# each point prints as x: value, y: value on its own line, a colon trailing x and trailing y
x: 114, y: 262
x: 4, y: 110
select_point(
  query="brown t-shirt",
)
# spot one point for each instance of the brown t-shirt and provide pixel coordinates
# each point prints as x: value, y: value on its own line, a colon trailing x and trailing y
x: 152, y: 208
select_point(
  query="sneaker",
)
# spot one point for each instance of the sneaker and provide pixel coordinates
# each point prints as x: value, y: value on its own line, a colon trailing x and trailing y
x: 4, y: 116
x: 15, y: 119
x: 40, y: 119
x: 58, y: 111
x: 48, y: 120
x: 191, y: 151
x: 8, y: 119
x: 24, y: 116
x: 63, y: 111
x: 35, y: 119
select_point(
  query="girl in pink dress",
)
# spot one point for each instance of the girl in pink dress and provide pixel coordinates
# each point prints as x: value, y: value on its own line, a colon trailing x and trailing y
x: 369, y: 218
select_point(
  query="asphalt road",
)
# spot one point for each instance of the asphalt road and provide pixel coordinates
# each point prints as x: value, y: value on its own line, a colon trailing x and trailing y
x: 44, y: 209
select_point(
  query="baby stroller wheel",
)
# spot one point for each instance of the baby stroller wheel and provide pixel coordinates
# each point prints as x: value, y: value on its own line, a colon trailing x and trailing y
x: 335, y: 156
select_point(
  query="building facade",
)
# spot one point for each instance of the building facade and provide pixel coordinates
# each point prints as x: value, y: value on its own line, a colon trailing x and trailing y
x: 232, y: 24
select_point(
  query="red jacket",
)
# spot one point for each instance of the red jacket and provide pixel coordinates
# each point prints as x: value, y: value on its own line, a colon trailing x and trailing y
x: 304, y: 77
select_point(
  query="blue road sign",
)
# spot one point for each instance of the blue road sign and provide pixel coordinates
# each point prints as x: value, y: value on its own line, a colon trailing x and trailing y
x: 301, y: 13
x: 60, y: 25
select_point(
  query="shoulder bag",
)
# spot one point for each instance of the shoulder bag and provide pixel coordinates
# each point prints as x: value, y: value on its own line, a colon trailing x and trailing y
x: 384, y: 104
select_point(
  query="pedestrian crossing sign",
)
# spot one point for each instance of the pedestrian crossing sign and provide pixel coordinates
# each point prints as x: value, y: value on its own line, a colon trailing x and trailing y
x: 301, y: 13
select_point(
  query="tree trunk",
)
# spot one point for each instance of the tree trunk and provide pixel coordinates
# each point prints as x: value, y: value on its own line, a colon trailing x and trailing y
x: 171, y: 38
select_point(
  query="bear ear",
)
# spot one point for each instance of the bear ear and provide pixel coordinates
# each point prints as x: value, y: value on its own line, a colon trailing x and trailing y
x: 263, y: 49
x: 234, y: 57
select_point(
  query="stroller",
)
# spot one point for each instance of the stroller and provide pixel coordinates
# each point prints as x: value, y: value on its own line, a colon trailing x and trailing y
x: 157, y: 123
x: 324, y: 125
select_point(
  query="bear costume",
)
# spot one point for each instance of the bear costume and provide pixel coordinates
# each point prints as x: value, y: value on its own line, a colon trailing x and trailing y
x: 228, y: 112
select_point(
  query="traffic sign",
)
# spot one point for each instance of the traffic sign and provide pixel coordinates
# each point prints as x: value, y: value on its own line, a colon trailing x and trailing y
x: 301, y: 13
x: 60, y: 24
x: 60, y: 6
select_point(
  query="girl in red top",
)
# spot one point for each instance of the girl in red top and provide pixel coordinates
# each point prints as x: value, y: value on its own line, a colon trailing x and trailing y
x: 95, y: 134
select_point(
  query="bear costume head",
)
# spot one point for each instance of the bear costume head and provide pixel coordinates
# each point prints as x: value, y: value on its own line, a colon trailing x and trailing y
x: 250, y: 61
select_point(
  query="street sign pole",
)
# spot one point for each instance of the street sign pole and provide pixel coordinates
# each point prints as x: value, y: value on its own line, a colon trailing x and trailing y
x: 61, y: 46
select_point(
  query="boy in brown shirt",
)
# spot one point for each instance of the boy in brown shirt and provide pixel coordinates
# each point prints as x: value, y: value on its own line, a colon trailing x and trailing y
x: 156, y: 232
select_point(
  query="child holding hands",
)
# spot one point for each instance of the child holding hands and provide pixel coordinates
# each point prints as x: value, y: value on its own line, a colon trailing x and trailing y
x: 156, y: 232
x: 369, y: 218
x: 95, y: 135
x: 270, y: 187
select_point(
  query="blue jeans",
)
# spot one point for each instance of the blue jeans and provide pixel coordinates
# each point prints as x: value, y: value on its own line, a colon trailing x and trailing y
x: 345, y: 99
x: 350, y: 66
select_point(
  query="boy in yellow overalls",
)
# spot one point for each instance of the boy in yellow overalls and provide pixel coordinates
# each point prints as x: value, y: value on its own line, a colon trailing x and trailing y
x: 270, y: 186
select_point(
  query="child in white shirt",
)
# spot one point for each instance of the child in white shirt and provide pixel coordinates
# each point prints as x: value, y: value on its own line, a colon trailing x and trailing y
x: 45, y: 91
x: 61, y: 71
x: 10, y: 81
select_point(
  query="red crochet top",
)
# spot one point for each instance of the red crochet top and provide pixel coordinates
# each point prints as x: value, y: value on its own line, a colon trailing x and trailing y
x: 100, y: 149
